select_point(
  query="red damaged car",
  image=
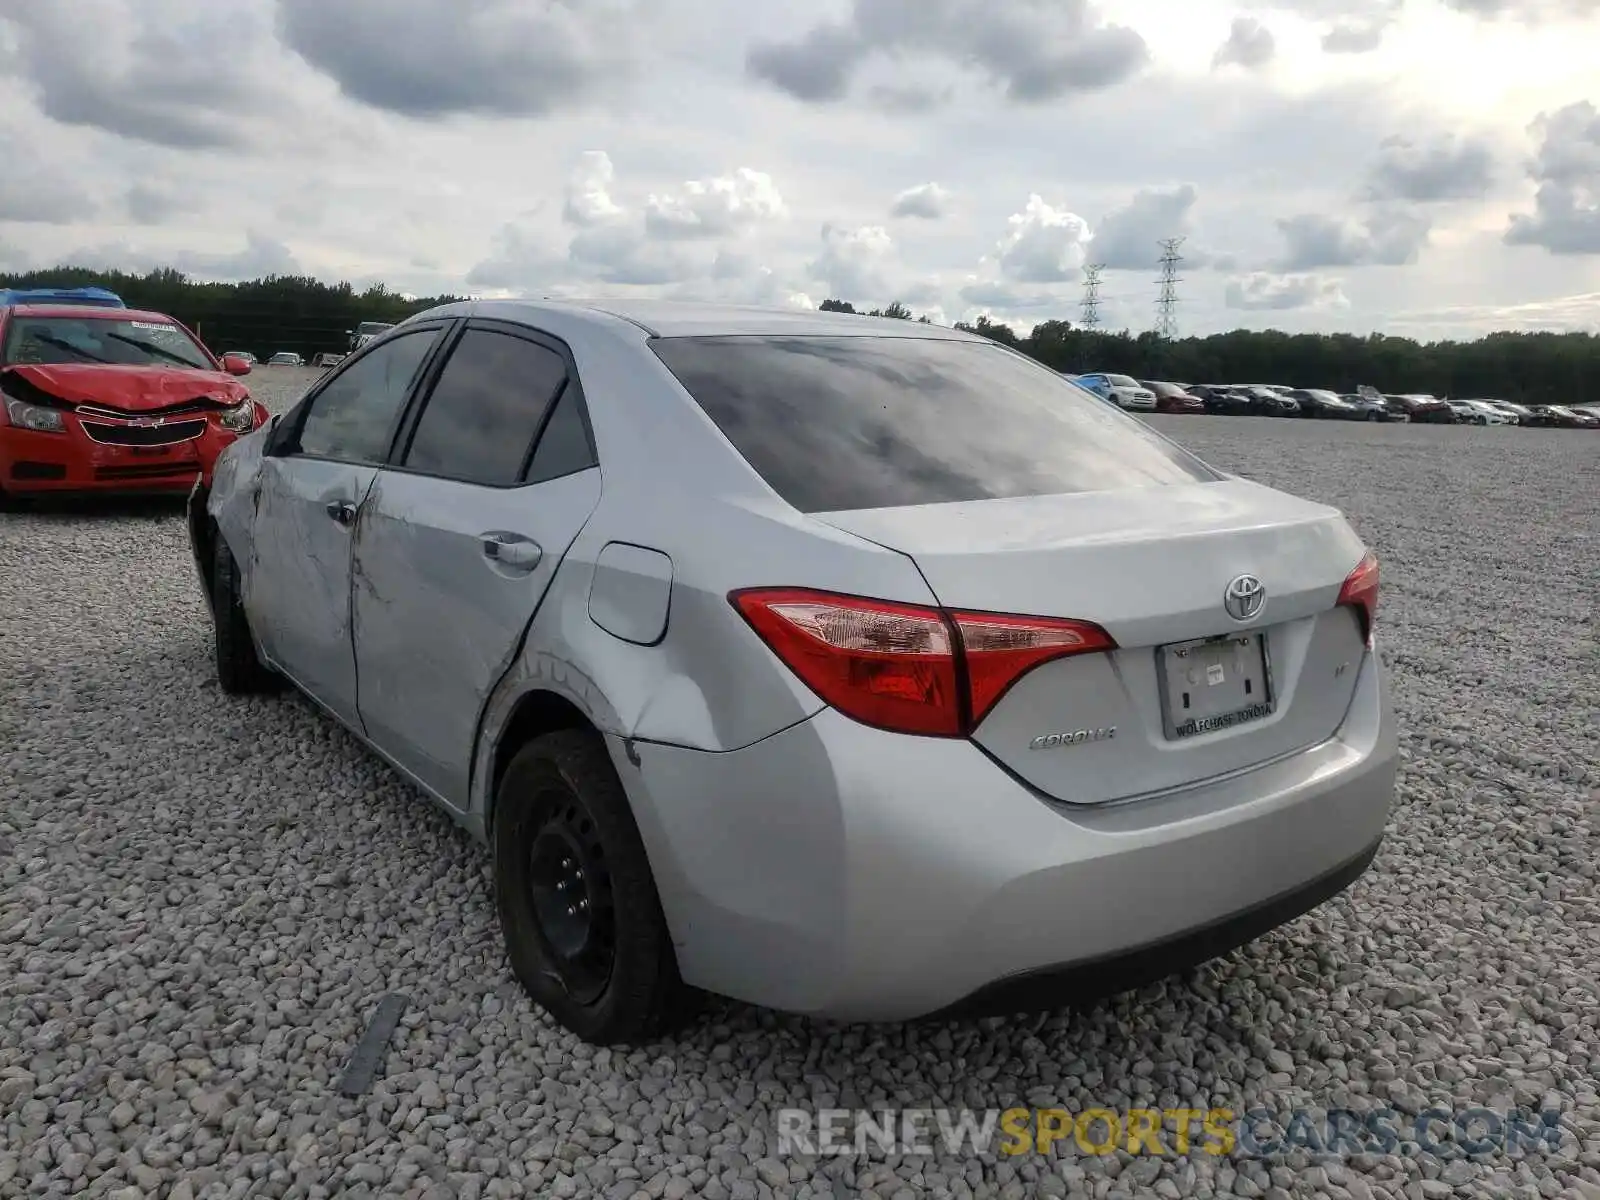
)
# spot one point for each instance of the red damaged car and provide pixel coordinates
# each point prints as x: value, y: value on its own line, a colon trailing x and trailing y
x: 103, y: 399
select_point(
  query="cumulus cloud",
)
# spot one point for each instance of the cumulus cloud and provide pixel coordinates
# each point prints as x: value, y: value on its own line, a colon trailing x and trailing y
x: 618, y: 254
x: 1566, y: 215
x: 152, y: 204
x: 519, y: 260
x: 1034, y: 50
x: 262, y: 255
x: 738, y: 277
x: 1351, y: 26
x: 427, y: 60
x: 1043, y: 244
x: 714, y: 207
x: 909, y: 99
x: 588, y: 200
x: 1389, y: 236
x: 928, y: 201
x: 1446, y: 168
x: 1354, y: 37
x: 1249, y: 45
x: 1529, y: 11
x: 1126, y: 239
x: 853, y: 262
x: 33, y: 189
x: 154, y: 72
x: 1004, y: 297
x: 1262, y: 291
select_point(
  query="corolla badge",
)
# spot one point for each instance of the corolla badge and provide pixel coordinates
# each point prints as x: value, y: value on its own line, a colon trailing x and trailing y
x: 1076, y: 737
x: 1244, y: 598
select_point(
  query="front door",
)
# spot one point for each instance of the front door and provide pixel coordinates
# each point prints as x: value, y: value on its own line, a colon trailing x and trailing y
x: 458, y: 542
x: 314, y: 482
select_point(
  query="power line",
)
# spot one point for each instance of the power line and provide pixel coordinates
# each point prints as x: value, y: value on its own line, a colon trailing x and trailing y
x: 1091, y: 296
x: 1167, y: 301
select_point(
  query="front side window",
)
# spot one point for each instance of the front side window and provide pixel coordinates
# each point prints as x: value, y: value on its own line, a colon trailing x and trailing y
x: 481, y: 418
x: 58, y: 341
x: 838, y: 423
x: 352, y: 419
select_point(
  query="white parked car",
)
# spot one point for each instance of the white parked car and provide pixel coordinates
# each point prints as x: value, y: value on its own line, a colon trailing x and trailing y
x: 1121, y: 390
x: 286, y: 358
x: 1479, y: 412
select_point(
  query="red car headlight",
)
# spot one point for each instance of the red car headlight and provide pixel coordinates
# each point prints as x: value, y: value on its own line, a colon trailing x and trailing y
x: 239, y: 419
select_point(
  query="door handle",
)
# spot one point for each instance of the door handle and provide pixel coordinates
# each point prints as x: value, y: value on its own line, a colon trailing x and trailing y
x: 511, y: 550
x: 342, y: 511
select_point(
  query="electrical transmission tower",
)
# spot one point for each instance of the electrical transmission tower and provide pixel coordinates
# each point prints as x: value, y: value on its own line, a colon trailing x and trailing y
x: 1091, y: 296
x: 1167, y: 301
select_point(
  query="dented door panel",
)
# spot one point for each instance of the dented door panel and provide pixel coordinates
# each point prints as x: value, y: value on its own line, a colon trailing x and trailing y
x: 298, y: 595
x: 446, y: 578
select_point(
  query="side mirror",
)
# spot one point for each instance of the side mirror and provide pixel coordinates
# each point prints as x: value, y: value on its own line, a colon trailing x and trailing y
x: 234, y: 365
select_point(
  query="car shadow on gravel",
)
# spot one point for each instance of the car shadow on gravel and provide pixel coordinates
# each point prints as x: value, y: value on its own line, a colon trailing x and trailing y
x: 76, y: 508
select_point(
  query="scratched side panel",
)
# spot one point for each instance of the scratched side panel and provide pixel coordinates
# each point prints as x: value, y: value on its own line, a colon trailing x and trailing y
x: 232, y: 503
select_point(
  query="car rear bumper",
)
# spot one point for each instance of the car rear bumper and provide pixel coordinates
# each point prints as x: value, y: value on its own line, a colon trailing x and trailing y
x: 844, y: 872
x: 34, y: 463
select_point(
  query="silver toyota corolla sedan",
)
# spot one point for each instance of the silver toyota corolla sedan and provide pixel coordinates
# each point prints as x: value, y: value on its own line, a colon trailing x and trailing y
x: 846, y: 666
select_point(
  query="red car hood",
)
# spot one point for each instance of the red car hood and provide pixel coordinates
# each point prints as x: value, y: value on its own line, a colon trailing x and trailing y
x: 130, y: 389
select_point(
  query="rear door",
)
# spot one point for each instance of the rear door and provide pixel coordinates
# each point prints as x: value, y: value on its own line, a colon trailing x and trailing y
x: 493, y: 479
x: 314, y: 479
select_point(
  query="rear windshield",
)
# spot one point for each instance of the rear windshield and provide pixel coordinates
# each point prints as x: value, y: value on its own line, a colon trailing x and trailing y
x: 58, y: 340
x: 840, y: 423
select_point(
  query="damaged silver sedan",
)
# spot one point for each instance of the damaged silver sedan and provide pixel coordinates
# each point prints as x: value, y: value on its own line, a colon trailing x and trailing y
x: 847, y: 666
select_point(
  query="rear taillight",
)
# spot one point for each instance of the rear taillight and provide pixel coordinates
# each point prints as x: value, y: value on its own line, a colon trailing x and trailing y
x: 1360, y: 591
x: 907, y: 667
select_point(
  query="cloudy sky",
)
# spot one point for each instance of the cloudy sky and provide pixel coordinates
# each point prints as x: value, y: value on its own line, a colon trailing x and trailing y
x: 1423, y: 167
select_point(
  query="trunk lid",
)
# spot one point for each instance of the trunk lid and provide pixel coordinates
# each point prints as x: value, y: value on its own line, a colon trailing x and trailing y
x: 1151, y: 567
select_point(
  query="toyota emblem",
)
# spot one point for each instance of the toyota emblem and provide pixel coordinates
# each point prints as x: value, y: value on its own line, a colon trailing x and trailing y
x: 1244, y: 598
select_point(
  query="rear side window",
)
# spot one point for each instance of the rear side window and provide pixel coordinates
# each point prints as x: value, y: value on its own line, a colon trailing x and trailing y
x: 839, y: 423
x: 564, y: 445
x: 481, y: 418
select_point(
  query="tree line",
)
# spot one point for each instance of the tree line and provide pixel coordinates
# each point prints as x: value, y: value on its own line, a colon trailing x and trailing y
x: 288, y: 312
x: 1536, y: 368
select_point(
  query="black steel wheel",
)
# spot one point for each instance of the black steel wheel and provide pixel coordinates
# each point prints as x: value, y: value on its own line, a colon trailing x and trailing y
x: 577, y: 901
x: 570, y: 890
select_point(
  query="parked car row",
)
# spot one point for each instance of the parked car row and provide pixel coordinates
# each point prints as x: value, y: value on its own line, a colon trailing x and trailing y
x: 1279, y: 400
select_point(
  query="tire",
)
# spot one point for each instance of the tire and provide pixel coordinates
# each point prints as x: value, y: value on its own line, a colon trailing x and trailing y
x: 239, y: 670
x: 604, y: 967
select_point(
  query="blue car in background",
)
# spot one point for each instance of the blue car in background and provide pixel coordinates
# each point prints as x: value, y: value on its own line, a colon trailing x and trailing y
x: 1095, y: 385
x: 95, y: 297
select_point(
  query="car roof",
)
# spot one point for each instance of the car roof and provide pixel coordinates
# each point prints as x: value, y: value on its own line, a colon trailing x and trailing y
x: 686, y: 318
x: 93, y: 311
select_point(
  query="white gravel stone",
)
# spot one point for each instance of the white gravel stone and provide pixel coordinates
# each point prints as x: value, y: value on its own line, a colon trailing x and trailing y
x: 202, y: 900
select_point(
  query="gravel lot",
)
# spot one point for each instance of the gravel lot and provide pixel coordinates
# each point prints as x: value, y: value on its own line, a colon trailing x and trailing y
x: 203, y: 899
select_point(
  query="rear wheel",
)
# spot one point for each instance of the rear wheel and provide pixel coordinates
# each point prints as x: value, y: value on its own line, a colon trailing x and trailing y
x: 240, y: 670
x: 578, y: 906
